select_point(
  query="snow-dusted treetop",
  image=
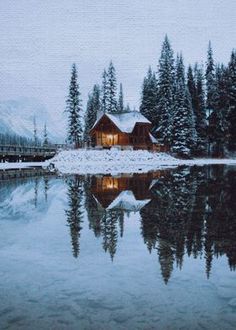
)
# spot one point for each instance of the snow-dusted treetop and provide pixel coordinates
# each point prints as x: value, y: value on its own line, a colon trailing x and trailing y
x: 125, y: 122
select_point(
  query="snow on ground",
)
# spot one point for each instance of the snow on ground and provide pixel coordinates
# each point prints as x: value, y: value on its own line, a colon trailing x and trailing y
x: 114, y: 161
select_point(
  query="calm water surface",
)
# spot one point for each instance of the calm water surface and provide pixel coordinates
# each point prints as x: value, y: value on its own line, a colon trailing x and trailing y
x: 147, y: 251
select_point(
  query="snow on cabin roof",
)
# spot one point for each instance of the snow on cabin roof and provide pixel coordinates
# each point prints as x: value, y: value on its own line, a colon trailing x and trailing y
x: 125, y: 121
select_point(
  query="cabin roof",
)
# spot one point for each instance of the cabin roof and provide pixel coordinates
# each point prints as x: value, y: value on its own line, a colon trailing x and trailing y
x: 126, y: 121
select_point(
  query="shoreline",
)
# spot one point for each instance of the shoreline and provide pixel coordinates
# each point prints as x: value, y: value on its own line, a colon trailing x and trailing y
x: 114, y: 162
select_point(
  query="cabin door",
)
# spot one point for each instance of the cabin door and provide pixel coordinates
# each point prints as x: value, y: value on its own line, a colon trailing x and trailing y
x: 115, y: 139
x: 112, y: 139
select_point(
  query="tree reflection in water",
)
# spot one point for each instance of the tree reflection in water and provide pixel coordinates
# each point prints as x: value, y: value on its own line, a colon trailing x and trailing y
x: 102, y: 220
x: 75, y: 211
x: 186, y: 211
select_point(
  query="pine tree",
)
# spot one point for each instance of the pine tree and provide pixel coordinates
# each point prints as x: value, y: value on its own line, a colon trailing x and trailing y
x: 232, y: 102
x: 199, y: 110
x: 217, y: 119
x: 93, y: 107
x: 74, y: 110
x: 210, y: 80
x: 149, y: 97
x: 35, y: 131
x: 183, y: 129
x: 165, y: 92
x: 121, y: 100
x: 88, y: 119
x: 111, y: 89
x: 216, y: 124
x: 127, y: 108
x: 104, y: 92
x: 210, y: 97
x: 190, y: 121
x: 45, y: 135
x: 191, y: 85
x: 222, y: 93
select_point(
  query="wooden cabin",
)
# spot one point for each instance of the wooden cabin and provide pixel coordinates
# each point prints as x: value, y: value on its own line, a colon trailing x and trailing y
x: 129, y: 130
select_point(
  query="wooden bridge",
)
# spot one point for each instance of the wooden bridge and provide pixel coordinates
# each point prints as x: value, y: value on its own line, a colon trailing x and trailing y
x: 11, y: 153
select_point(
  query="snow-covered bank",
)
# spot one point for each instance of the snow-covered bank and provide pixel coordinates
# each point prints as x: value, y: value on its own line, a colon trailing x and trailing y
x: 16, y: 166
x: 115, y: 161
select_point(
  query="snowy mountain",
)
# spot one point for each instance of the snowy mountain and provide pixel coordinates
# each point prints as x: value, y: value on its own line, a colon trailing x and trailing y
x: 16, y: 116
x: 27, y: 199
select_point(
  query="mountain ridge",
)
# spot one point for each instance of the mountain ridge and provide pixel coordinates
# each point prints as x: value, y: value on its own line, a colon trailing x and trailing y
x: 17, y: 117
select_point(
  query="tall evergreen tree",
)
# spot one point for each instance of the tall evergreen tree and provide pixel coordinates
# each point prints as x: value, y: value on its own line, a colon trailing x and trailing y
x: 214, y: 129
x: 216, y: 125
x: 93, y: 107
x: 111, y: 89
x: 104, y: 91
x: 191, y: 85
x: 45, y: 135
x: 74, y: 110
x: 199, y: 110
x: 210, y: 79
x: 121, y: 100
x: 232, y: 102
x: 127, y: 108
x: 149, y: 97
x: 35, y: 131
x: 217, y: 119
x: 183, y: 127
x: 165, y: 92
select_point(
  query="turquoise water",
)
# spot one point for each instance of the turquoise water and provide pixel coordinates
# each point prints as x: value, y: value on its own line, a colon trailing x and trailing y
x: 150, y: 251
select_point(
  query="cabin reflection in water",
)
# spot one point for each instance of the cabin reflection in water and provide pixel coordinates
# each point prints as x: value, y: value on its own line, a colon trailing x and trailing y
x: 108, y: 199
x: 125, y: 192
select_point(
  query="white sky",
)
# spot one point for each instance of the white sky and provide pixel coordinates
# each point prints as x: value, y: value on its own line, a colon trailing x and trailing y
x: 39, y: 40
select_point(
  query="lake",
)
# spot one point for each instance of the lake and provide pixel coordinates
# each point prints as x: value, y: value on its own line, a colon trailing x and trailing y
x: 142, y: 251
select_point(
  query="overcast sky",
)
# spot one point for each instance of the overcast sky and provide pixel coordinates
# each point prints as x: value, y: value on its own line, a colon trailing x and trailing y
x: 39, y: 40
